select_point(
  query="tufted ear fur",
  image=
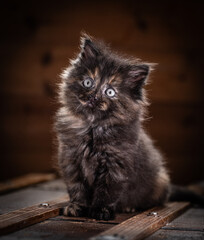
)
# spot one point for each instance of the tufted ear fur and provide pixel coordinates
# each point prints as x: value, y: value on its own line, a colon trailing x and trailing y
x: 136, y: 78
x: 89, y: 49
x: 138, y: 74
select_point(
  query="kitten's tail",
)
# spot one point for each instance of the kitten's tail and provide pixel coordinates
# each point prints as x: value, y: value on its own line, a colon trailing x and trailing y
x: 178, y: 193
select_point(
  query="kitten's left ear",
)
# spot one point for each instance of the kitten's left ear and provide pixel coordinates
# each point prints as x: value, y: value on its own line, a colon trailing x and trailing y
x: 88, y: 48
x: 136, y: 78
x: 138, y: 74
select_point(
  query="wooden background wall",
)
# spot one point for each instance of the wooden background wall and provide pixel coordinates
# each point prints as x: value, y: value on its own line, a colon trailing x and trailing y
x: 38, y: 38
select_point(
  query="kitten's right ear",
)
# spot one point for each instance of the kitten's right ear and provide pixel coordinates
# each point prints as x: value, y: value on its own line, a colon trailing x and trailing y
x: 88, y: 48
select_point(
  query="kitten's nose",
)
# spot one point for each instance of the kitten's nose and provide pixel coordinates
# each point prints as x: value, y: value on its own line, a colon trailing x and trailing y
x: 92, y: 101
x: 93, y: 98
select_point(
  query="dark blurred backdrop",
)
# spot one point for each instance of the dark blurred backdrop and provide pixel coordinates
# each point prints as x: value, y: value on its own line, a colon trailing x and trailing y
x: 37, y: 39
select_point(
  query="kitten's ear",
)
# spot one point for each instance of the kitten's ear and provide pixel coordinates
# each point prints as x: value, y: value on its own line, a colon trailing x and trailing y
x: 88, y: 48
x: 138, y: 74
x: 136, y: 78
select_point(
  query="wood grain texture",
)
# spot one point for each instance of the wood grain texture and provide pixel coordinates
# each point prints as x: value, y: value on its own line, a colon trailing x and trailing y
x: 176, y: 235
x: 57, y: 185
x: 189, y: 225
x: 144, y: 224
x: 120, y: 217
x: 24, y: 181
x: 26, y: 197
x: 55, y: 229
x: 191, y: 220
x: 24, y: 217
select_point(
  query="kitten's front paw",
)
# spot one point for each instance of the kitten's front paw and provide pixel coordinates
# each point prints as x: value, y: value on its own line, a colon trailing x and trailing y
x: 101, y: 213
x: 128, y: 210
x: 72, y: 209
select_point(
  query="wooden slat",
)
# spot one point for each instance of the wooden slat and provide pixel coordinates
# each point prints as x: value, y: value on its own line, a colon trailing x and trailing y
x: 191, y: 220
x: 24, y: 181
x: 55, y: 229
x: 176, y: 234
x: 24, y: 217
x: 27, y: 197
x: 57, y: 185
x: 189, y: 225
x: 120, y: 217
x: 144, y: 224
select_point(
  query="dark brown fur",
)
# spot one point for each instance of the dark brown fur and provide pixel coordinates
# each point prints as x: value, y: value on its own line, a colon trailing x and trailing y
x: 107, y: 160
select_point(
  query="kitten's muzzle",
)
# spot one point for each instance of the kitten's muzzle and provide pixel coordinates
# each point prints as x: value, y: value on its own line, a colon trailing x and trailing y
x: 93, y: 101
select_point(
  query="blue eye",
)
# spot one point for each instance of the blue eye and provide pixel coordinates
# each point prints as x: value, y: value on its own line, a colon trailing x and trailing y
x: 88, y: 83
x: 110, y: 92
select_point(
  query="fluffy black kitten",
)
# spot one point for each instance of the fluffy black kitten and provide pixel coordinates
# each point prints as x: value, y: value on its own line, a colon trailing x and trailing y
x: 107, y: 160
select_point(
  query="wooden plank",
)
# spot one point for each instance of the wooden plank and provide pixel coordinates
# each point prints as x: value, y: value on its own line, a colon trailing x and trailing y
x: 24, y: 181
x: 26, y: 197
x: 24, y: 217
x: 144, y: 224
x: 55, y: 185
x: 54, y: 229
x: 70, y: 230
x: 191, y: 220
x: 64, y: 228
x: 120, y: 217
x: 189, y: 225
x: 176, y: 235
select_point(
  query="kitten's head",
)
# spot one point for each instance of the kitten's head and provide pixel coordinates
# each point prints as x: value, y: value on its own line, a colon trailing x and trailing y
x: 101, y: 85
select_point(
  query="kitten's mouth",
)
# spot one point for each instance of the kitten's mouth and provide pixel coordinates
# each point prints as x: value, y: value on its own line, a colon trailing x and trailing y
x: 92, y: 105
x: 92, y: 102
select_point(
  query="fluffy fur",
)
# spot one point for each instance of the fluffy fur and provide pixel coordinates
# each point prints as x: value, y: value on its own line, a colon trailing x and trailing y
x: 107, y: 160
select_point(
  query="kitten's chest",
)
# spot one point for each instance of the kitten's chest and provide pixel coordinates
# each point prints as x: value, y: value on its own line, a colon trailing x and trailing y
x: 90, y: 140
x: 97, y: 151
x: 91, y: 152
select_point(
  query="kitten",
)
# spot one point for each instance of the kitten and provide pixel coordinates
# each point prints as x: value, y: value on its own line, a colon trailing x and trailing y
x: 107, y: 160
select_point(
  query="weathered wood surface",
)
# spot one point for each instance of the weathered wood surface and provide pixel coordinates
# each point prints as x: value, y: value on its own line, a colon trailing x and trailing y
x: 54, y: 229
x: 22, y: 208
x: 64, y: 228
x: 24, y: 181
x: 55, y: 185
x: 26, y: 198
x: 120, y: 217
x: 176, y: 235
x: 192, y: 220
x: 189, y: 225
x: 79, y: 228
x: 24, y: 217
x: 144, y: 224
